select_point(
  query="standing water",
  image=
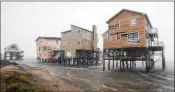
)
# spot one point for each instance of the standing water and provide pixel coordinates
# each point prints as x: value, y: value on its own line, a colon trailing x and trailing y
x: 94, y: 77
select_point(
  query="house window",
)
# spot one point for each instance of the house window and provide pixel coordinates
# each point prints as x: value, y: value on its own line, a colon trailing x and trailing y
x: 110, y: 37
x: 78, y: 31
x: 132, y: 21
x: 44, y: 48
x: 39, y: 48
x: 117, y: 24
x: 133, y: 35
x: 68, y: 43
x: 78, y: 42
x: 57, y: 41
x: 124, y: 35
x: 118, y: 36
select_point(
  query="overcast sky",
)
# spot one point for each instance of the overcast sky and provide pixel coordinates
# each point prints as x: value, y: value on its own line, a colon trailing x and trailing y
x: 23, y: 22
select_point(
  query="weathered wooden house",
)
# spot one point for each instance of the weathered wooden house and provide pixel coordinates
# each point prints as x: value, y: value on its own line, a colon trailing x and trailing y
x: 79, y: 41
x: 45, y: 47
x: 130, y: 37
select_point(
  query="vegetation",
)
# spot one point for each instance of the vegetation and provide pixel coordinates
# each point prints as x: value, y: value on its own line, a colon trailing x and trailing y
x: 106, y: 90
x: 14, y: 82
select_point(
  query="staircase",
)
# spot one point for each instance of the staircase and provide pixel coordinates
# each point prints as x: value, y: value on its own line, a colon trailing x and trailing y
x: 53, y: 59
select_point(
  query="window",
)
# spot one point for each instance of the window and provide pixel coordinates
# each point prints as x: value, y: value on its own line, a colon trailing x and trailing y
x: 57, y: 41
x: 133, y: 35
x: 68, y: 43
x: 117, y: 24
x: 39, y: 48
x: 78, y: 31
x: 132, y: 21
x: 48, y: 48
x: 44, y: 48
x: 110, y: 37
x: 118, y: 36
x: 123, y: 35
x: 78, y: 42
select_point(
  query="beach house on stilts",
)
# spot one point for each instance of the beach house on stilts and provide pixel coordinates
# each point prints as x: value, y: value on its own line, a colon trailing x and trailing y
x: 131, y: 37
x: 79, y: 46
x: 45, y: 46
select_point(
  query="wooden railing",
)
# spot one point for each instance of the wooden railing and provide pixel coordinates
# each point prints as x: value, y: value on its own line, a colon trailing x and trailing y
x: 159, y: 43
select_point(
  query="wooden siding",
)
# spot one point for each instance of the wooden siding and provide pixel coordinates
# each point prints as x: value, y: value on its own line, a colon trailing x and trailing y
x: 45, y: 54
x: 124, y: 18
x: 85, y: 38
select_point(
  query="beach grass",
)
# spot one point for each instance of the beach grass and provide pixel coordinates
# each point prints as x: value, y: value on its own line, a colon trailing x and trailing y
x: 15, y: 82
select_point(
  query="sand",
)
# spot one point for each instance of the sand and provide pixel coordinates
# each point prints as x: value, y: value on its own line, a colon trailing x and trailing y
x: 42, y: 78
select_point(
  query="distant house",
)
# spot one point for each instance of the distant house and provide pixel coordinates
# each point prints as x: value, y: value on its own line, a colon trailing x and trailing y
x: 79, y: 40
x: 13, y: 52
x: 46, y: 45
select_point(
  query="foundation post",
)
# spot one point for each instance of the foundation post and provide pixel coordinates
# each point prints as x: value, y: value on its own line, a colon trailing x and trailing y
x: 163, y: 60
x: 113, y: 59
x: 103, y: 59
x: 120, y: 65
x: 130, y: 65
x: 109, y: 61
x: 116, y: 60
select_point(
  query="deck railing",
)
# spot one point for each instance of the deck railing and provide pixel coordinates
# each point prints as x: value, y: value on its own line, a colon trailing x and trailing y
x: 158, y: 43
x: 153, y: 30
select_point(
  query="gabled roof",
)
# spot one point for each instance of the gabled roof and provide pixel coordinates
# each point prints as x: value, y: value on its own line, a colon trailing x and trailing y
x: 66, y: 31
x: 49, y: 38
x: 104, y: 33
x: 144, y: 14
x: 77, y: 27
x: 80, y: 27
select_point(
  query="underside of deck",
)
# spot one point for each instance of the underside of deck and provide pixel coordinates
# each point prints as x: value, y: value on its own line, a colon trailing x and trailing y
x: 133, y: 54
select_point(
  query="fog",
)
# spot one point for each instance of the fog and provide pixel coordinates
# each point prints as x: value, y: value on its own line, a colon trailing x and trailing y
x: 23, y: 22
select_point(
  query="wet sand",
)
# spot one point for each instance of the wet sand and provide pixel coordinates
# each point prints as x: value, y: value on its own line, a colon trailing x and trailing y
x: 41, y: 77
x: 93, y: 78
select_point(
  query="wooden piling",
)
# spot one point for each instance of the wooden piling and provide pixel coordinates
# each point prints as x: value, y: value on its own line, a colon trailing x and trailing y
x: 108, y: 64
x: 113, y: 59
x: 120, y: 65
x: 103, y: 59
x: 116, y: 64
x: 130, y: 65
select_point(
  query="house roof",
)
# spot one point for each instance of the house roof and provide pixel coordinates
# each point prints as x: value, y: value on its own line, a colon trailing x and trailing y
x: 104, y: 33
x: 144, y: 14
x: 80, y: 28
x: 77, y: 27
x: 49, y: 38
x: 66, y: 31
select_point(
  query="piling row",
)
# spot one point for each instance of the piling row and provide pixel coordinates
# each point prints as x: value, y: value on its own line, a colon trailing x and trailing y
x: 73, y: 61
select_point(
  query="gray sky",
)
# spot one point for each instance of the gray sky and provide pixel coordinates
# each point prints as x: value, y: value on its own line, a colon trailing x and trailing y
x: 23, y: 22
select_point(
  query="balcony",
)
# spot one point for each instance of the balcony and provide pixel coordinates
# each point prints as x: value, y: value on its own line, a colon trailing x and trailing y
x: 153, y: 33
x: 158, y: 43
x: 157, y: 46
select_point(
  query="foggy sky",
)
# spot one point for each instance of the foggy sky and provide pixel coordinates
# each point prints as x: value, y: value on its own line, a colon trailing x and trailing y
x: 23, y: 22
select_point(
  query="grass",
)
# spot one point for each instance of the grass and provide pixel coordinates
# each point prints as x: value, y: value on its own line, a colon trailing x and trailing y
x: 15, y: 82
x: 106, y: 90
